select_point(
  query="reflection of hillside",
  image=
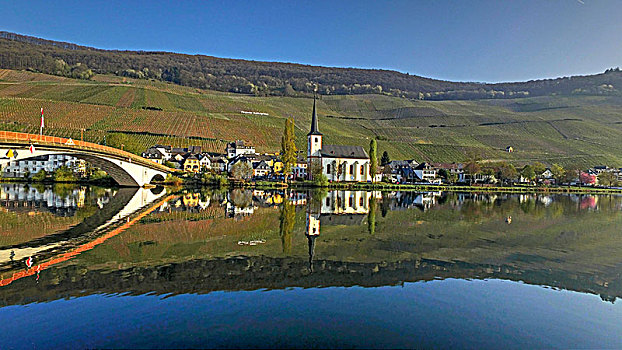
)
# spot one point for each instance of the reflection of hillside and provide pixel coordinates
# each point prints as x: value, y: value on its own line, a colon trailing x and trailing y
x: 252, y: 273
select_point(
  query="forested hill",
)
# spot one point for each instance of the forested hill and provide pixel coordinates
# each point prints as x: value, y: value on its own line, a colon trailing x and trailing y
x: 273, y: 78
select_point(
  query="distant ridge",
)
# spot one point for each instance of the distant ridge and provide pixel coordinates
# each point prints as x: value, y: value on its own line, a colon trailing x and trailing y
x: 24, y: 52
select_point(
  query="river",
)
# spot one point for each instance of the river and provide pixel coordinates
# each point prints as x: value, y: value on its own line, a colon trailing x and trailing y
x: 92, y: 267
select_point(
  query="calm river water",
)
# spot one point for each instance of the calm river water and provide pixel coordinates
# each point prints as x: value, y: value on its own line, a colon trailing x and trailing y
x: 91, y: 267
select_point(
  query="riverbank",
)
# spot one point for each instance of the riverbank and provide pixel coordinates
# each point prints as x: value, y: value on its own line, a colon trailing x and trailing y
x: 109, y: 182
x: 449, y: 188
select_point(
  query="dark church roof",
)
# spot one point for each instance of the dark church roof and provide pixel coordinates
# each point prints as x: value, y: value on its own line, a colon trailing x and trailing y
x: 314, y: 128
x: 338, y: 151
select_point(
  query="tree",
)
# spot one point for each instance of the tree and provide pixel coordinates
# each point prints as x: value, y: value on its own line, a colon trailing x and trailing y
x: 41, y: 175
x: 538, y: 168
x: 337, y: 170
x: 288, y: 147
x: 373, y: 167
x: 472, y: 166
x: 528, y: 173
x: 558, y: 173
x: 286, y: 227
x: 317, y: 175
x: 607, y: 179
x: 64, y: 174
x: 371, y: 217
x: 242, y: 170
x: 571, y: 174
x: 384, y: 160
x: 587, y: 179
x: 507, y: 172
x: 241, y: 198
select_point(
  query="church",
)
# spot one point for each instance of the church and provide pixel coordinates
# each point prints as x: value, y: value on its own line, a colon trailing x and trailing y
x: 339, y: 163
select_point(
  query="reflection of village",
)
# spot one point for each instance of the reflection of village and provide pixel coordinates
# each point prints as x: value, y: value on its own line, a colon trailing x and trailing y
x: 322, y: 210
x: 350, y: 208
x: 61, y: 202
x: 343, y: 207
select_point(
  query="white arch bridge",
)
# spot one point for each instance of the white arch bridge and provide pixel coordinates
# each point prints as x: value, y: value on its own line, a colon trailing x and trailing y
x: 125, y: 168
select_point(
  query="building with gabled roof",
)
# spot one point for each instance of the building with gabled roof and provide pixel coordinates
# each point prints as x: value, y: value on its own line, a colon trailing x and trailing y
x: 238, y: 148
x: 337, y: 162
x: 191, y: 164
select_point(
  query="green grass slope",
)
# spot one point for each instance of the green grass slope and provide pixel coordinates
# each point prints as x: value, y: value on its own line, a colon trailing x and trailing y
x: 581, y: 130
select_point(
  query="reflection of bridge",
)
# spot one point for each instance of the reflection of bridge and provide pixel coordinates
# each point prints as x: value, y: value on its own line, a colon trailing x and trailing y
x: 125, y: 203
x: 126, y: 169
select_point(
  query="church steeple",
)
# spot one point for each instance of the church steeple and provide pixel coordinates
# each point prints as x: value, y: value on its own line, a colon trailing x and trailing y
x: 314, y: 129
x: 314, y: 142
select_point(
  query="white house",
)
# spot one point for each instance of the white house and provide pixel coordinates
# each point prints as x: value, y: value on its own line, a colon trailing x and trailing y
x: 204, y: 161
x: 338, y: 163
x: 155, y: 155
x: 239, y: 148
x: 31, y: 166
x: 424, y: 172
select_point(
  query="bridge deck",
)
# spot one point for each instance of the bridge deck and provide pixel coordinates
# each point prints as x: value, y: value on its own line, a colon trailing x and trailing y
x: 24, y: 139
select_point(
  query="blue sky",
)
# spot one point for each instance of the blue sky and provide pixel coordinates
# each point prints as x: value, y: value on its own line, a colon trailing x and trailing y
x: 488, y: 41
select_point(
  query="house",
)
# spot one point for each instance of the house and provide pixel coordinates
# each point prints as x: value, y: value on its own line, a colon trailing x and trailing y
x: 425, y: 172
x: 250, y: 159
x: 299, y: 171
x: 453, y: 170
x: 205, y: 162
x: 401, y: 170
x: 338, y: 163
x: 546, y: 177
x: 191, y: 164
x: 165, y: 150
x: 379, y: 174
x: 154, y: 154
x: 50, y: 163
x: 273, y: 161
x: 277, y: 165
x: 238, y: 148
x: 261, y: 169
x: 218, y: 163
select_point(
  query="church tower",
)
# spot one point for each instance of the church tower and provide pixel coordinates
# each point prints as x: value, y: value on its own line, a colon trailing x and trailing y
x: 314, y: 137
x: 314, y: 141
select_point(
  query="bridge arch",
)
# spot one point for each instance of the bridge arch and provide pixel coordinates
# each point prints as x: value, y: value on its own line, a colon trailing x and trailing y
x: 125, y: 168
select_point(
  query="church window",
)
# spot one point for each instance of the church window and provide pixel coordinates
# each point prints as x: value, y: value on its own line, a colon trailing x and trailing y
x: 352, y: 169
x: 328, y: 168
x: 362, y: 170
x: 327, y: 201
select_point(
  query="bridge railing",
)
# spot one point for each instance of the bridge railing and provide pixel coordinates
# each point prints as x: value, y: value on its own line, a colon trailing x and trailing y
x: 24, y: 138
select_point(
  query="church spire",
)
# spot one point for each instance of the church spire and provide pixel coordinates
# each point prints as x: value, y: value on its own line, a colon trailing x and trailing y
x: 314, y: 129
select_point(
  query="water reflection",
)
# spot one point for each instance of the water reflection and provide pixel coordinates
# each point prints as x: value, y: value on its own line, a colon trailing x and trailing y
x: 206, y: 240
x: 98, y: 212
x: 60, y: 199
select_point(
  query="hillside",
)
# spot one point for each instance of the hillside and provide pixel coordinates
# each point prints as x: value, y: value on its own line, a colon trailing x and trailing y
x: 273, y: 78
x: 582, y: 130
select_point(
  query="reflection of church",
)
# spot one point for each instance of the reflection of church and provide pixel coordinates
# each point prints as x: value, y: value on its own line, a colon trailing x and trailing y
x: 337, y: 208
